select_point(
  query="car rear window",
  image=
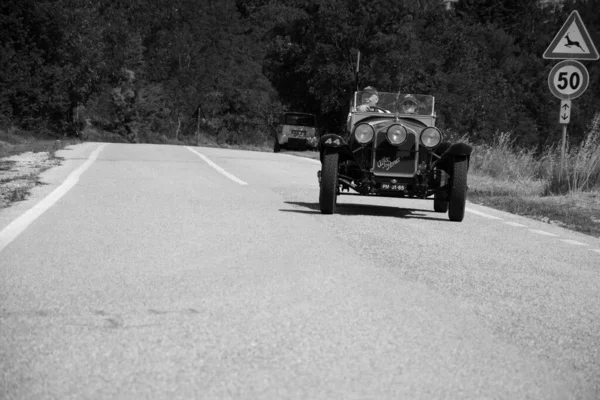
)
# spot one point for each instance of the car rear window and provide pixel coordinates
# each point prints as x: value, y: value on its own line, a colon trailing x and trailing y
x: 296, y: 119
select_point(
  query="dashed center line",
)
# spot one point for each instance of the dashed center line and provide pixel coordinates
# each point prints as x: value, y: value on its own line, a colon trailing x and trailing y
x: 217, y: 168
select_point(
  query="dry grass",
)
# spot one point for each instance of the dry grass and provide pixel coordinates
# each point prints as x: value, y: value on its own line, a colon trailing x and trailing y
x: 521, y: 182
x: 581, y: 169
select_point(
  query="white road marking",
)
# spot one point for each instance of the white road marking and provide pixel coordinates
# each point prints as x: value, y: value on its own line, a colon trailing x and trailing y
x: 573, y: 242
x: 542, y: 232
x: 16, y: 227
x: 596, y: 251
x: 470, y: 210
x: 516, y: 224
x: 216, y: 167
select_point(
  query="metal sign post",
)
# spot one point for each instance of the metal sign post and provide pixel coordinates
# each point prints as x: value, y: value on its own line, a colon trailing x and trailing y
x: 569, y: 78
x: 567, y: 81
x: 564, y: 119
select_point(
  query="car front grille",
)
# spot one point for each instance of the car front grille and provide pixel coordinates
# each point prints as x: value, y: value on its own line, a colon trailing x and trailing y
x: 393, y: 160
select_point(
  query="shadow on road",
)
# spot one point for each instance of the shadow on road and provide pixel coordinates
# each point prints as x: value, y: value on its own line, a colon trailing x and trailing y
x: 368, y: 210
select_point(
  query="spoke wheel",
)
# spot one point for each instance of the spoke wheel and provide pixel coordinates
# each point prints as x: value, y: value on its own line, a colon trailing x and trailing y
x: 329, y: 183
x: 458, y: 190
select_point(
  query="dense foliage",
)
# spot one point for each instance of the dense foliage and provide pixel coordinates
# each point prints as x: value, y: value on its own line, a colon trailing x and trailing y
x: 151, y: 70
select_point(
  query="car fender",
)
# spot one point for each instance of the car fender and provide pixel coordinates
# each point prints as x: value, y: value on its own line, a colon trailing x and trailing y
x: 448, y: 152
x: 333, y: 143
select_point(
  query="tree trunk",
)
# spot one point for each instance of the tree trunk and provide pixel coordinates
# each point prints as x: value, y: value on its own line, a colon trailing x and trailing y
x: 178, y: 127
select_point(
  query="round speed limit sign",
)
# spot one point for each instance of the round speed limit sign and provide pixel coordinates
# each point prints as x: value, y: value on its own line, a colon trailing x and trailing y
x: 568, y: 79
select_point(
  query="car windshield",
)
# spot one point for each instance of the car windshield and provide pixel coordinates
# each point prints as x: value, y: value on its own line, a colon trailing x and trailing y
x: 398, y: 102
x: 299, y: 119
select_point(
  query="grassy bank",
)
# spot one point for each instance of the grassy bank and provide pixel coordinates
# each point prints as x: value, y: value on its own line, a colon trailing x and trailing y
x: 536, y: 185
x: 501, y: 175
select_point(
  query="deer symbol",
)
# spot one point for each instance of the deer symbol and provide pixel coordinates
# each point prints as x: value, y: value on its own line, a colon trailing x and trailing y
x: 572, y: 42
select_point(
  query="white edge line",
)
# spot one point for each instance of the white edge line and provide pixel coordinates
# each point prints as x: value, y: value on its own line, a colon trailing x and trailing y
x: 573, y: 242
x: 596, y: 251
x: 216, y: 167
x: 470, y: 210
x: 539, y: 232
x: 16, y: 227
x: 515, y: 224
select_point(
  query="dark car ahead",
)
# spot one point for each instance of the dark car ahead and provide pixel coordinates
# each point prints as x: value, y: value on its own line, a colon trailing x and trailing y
x: 394, y: 150
x: 297, y: 130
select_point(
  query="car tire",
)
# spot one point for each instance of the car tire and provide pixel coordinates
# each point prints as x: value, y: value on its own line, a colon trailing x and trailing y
x: 329, y: 182
x: 276, y: 146
x: 439, y: 204
x: 458, y: 189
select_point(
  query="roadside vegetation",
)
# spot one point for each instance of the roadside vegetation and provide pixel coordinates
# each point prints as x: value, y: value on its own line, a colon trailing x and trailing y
x: 533, y: 184
x: 23, y: 157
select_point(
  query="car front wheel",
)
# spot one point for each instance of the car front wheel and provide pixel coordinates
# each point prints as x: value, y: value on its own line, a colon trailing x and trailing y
x: 458, y: 190
x: 329, y: 183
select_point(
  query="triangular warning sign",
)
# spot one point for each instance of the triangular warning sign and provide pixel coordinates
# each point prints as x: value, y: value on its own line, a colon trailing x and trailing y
x: 572, y: 42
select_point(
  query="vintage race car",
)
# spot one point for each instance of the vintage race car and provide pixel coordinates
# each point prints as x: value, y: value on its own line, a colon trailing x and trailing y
x: 297, y: 131
x: 393, y: 149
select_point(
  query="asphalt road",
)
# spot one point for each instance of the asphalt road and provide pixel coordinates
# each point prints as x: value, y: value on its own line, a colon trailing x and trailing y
x: 146, y: 271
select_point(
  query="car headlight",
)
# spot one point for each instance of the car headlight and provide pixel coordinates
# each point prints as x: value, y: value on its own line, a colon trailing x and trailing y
x: 396, y: 134
x: 431, y: 137
x: 364, y: 133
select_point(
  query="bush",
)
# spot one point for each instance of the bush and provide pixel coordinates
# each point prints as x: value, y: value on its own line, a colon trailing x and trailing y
x: 92, y: 134
x: 503, y: 160
x: 14, y: 135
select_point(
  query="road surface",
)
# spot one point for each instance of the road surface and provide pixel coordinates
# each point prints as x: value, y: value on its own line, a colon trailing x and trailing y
x: 148, y: 271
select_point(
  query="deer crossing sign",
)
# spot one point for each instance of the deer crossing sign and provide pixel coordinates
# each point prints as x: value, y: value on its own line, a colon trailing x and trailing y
x: 572, y: 42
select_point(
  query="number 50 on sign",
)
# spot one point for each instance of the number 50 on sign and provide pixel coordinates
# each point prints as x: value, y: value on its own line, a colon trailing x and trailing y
x: 568, y: 79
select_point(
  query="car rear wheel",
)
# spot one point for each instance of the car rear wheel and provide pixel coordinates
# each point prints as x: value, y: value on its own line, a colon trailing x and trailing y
x: 458, y: 190
x: 276, y: 146
x: 329, y: 183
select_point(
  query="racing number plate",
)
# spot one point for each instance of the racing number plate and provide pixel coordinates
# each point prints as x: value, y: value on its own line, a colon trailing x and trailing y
x: 389, y: 186
x: 298, y: 133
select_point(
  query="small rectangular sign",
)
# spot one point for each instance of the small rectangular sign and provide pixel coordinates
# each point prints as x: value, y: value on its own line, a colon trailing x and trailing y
x: 565, y: 111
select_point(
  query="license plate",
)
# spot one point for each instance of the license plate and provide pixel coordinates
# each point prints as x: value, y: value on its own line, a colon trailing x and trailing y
x: 299, y: 133
x: 389, y: 186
